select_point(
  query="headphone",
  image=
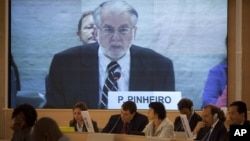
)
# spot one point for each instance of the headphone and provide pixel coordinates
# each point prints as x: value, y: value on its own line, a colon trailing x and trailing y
x: 192, y: 108
x: 215, y: 117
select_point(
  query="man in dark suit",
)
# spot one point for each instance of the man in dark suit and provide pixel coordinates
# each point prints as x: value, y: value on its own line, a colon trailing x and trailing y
x: 212, y: 127
x: 79, y: 73
x: 185, y: 106
x: 237, y: 114
x: 128, y: 122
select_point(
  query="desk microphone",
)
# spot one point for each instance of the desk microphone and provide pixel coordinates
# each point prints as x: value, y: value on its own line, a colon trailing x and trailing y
x: 117, y: 76
x: 115, y: 124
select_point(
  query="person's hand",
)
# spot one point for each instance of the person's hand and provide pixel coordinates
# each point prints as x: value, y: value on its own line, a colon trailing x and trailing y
x: 16, y: 127
x: 227, y: 123
x: 18, y: 124
x: 198, y: 126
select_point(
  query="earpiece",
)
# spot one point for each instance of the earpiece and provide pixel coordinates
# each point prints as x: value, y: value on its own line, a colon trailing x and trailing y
x: 192, y: 108
x: 215, y: 116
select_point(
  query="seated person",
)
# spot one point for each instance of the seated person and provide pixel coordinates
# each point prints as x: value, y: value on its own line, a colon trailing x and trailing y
x: 222, y: 100
x: 185, y: 106
x: 46, y: 129
x: 160, y: 125
x: 212, y: 127
x: 77, y: 121
x: 215, y: 84
x: 237, y: 114
x: 129, y: 120
x: 24, y: 117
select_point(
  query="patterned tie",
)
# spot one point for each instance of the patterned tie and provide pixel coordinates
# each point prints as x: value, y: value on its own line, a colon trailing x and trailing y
x: 124, y: 128
x: 110, y: 84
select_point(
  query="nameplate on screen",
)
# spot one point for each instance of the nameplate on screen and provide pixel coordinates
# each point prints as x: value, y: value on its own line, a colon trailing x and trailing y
x: 143, y: 98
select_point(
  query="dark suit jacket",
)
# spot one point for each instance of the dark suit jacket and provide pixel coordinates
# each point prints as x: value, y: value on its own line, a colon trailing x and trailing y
x: 192, y: 122
x: 72, y: 123
x: 115, y: 124
x: 74, y: 75
x: 219, y: 133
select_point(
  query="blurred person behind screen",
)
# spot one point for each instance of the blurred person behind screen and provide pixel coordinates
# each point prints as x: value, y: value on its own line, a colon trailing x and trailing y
x: 85, y: 29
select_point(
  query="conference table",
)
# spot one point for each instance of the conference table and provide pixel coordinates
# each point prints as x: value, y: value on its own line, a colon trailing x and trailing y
x: 81, y: 136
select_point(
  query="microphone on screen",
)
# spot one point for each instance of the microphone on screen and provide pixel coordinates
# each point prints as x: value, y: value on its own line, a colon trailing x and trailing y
x: 117, y: 76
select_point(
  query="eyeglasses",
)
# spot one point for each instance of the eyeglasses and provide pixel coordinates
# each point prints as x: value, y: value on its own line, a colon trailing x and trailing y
x: 111, y: 31
x: 90, y: 26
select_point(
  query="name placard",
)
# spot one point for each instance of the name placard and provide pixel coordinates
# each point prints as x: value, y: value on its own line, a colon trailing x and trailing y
x: 143, y: 98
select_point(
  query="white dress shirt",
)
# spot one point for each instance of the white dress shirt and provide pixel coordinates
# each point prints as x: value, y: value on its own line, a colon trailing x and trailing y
x: 123, y: 81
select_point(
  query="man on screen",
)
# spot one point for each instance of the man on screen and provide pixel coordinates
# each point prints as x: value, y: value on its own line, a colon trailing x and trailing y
x: 86, y: 73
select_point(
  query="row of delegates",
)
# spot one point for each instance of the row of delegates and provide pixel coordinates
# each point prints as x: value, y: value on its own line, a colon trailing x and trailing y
x: 212, y: 127
x: 46, y: 129
x: 77, y: 121
x: 128, y: 121
x: 116, y: 27
x: 160, y: 125
x: 24, y: 117
x: 185, y: 106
